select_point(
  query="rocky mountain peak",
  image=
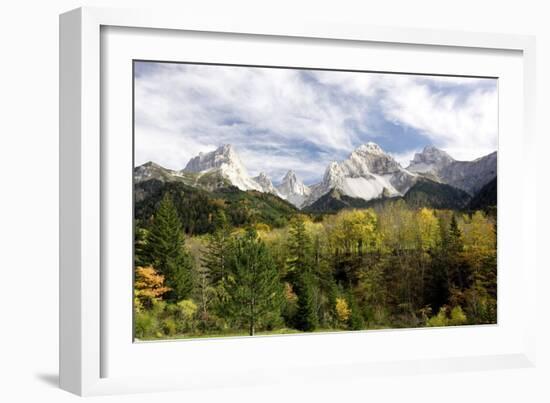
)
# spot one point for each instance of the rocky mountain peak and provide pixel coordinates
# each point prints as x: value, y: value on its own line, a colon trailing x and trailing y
x: 432, y: 155
x: 292, y: 183
x: 226, y: 160
x: 290, y: 176
x: 265, y: 184
x: 430, y: 159
x: 369, y: 148
x: 293, y: 189
x: 224, y: 154
x: 469, y: 176
x: 367, y: 173
x: 369, y: 158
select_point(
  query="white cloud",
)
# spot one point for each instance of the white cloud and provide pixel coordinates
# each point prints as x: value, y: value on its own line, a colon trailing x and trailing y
x: 283, y: 119
x: 465, y: 125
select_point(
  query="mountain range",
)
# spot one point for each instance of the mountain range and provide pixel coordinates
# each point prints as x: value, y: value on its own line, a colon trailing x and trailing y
x: 368, y: 175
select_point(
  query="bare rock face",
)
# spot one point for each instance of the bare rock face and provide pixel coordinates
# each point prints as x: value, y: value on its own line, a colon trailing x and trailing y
x: 469, y: 176
x: 293, y: 189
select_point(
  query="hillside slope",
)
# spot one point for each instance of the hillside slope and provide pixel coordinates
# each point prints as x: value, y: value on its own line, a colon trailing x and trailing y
x: 486, y: 197
x: 197, y: 207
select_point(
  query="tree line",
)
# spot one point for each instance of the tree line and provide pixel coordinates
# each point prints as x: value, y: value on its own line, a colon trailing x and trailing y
x: 392, y: 267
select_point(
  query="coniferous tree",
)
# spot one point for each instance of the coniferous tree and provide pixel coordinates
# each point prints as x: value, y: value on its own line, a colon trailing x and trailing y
x: 300, y: 271
x: 140, y: 247
x: 218, y: 250
x: 356, y: 321
x: 253, y: 286
x: 453, y: 250
x: 306, y: 314
x: 325, y: 283
x: 166, y: 251
x: 437, y: 289
x: 299, y: 247
x: 447, y: 277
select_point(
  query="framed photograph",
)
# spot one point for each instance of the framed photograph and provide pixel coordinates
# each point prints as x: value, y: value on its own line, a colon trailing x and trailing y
x: 240, y: 203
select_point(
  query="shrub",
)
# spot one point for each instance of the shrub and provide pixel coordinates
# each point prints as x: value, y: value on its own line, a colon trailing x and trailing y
x: 184, y: 315
x: 187, y: 308
x: 169, y: 327
x: 458, y: 317
x: 440, y: 319
x: 146, y: 324
x: 272, y: 321
x: 261, y: 227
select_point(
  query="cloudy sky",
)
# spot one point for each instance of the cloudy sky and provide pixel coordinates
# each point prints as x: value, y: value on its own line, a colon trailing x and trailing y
x: 280, y: 119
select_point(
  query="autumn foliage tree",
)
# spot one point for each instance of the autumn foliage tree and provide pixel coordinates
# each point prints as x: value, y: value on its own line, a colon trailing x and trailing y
x: 148, y: 286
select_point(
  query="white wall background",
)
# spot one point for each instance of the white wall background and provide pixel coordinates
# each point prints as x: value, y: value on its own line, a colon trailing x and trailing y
x: 29, y: 201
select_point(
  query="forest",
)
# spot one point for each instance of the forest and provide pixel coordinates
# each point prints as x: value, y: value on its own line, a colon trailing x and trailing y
x: 394, y: 265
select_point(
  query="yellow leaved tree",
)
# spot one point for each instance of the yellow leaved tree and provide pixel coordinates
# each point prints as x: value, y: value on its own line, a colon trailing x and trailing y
x: 428, y: 229
x: 148, y: 287
x: 343, y: 311
x: 355, y: 231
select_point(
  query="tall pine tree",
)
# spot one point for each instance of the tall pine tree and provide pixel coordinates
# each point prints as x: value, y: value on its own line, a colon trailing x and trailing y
x: 140, y: 247
x: 355, y: 321
x: 306, y: 314
x: 453, y: 250
x: 165, y: 250
x: 300, y: 264
x: 253, y: 287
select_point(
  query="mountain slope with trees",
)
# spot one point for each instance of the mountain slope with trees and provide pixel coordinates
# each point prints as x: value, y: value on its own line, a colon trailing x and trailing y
x: 486, y: 197
x: 197, y: 207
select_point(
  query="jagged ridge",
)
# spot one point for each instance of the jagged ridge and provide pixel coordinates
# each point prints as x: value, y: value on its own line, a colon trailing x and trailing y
x: 367, y: 174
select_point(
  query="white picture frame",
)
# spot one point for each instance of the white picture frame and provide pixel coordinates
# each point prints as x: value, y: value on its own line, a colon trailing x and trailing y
x: 87, y: 344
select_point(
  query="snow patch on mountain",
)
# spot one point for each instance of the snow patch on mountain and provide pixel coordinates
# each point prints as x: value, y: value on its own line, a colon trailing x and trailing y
x: 365, y: 188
